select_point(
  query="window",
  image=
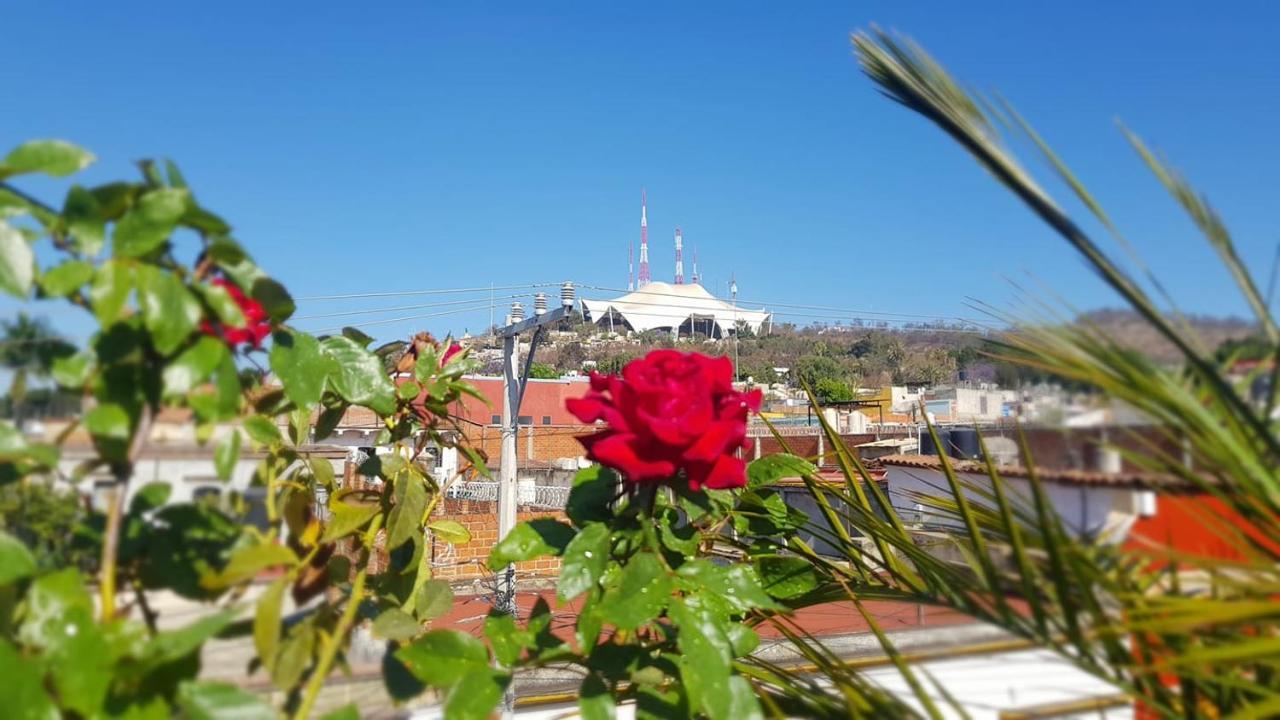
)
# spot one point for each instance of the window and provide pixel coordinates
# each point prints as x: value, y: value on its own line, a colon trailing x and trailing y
x: 546, y: 419
x: 496, y: 420
x: 525, y: 420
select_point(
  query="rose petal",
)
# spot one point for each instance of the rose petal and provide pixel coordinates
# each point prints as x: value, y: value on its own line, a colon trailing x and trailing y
x: 728, y: 472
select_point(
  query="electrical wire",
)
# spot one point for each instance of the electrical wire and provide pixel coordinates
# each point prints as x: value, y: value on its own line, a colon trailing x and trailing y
x: 374, y: 311
x: 450, y: 291
x: 406, y: 318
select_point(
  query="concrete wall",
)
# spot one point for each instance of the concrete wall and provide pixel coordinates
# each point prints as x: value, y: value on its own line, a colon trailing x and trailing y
x: 1086, y: 510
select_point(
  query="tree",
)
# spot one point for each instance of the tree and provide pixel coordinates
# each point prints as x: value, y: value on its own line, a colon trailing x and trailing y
x: 28, y: 348
x: 829, y: 390
x: 543, y: 371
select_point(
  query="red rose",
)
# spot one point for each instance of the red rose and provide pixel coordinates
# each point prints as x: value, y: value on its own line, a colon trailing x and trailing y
x: 256, y: 325
x: 670, y: 411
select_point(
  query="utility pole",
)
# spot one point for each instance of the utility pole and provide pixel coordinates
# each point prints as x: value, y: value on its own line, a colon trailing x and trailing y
x: 514, y: 380
x: 733, y: 292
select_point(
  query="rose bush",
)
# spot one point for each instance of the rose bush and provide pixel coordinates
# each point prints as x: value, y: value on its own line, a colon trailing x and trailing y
x: 670, y: 412
x: 181, y: 326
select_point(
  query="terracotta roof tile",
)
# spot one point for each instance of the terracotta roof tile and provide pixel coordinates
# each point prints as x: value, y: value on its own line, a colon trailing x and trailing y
x: 1125, y: 479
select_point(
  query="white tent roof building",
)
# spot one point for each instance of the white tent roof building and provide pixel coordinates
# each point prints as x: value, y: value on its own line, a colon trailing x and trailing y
x: 659, y: 305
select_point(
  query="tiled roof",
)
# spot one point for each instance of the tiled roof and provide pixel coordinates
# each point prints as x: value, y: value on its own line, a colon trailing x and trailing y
x: 1126, y: 479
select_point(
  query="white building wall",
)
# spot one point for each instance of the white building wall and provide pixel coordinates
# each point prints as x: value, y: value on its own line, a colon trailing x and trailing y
x: 1087, y: 510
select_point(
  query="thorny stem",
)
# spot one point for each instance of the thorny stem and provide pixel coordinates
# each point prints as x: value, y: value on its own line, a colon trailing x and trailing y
x: 334, y: 641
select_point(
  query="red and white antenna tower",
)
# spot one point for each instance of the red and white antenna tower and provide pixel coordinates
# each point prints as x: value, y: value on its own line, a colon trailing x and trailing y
x: 695, y: 264
x: 631, y: 267
x: 644, y: 241
x: 679, y: 258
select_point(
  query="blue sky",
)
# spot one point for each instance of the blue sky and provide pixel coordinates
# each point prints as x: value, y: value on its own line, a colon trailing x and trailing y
x: 449, y: 145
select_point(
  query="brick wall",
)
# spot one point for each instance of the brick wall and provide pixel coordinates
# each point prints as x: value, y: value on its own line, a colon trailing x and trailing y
x: 548, y: 443
x: 460, y: 562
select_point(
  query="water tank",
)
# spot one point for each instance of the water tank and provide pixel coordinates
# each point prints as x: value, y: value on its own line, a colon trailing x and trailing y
x: 964, y: 444
x: 926, y: 441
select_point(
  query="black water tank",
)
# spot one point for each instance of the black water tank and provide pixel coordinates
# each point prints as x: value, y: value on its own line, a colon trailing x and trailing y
x: 926, y: 441
x: 964, y: 444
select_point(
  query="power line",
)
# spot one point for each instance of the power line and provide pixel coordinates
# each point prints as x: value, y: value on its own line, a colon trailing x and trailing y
x: 451, y: 291
x: 374, y: 311
x: 482, y: 306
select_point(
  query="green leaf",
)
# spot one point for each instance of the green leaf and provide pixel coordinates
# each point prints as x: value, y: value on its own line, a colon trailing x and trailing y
x: 110, y: 290
x: 62, y: 280
x: 595, y: 702
x: 594, y: 489
x: 56, y: 158
x: 16, y: 561
x: 262, y: 430
x: 322, y: 469
x: 736, y: 584
x: 786, y: 577
x: 193, y: 366
x: 302, y: 368
x: 346, y: 712
x: 681, y: 539
x: 266, y: 623
x: 441, y: 658
x: 172, y: 645
x: 85, y: 222
x: 51, y: 600
x: 274, y: 298
x: 221, y: 701
x: 17, y: 262
x: 769, y: 469
x: 111, y: 429
x: 641, y: 593
x: 359, y: 376
x: 249, y: 561
x: 704, y: 661
x: 405, y: 520
x: 295, y: 655
x: 434, y: 599
x: 583, y: 561
x: 507, y: 638
x: 72, y: 371
x: 149, y: 223
x: 529, y: 540
x: 219, y: 299
x: 450, y: 531
x: 22, y: 692
x: 408, y: 390
x: 149, y: 497
x: 226, y: 453
x: 169, y: 311
x: 476, y: 695
x: 175, y: 175
x: 345, y: 519
x: 395, y: 624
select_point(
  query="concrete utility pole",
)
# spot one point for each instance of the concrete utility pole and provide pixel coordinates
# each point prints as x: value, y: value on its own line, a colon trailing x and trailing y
x: 514, y: 380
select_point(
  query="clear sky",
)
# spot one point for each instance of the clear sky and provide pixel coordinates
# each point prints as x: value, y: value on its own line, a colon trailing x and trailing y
x: 407, y: 146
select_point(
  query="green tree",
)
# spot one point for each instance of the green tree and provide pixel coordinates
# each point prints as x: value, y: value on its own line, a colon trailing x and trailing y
x: 28, y: 347
x: 829, y: 390
x: 543, y: 371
